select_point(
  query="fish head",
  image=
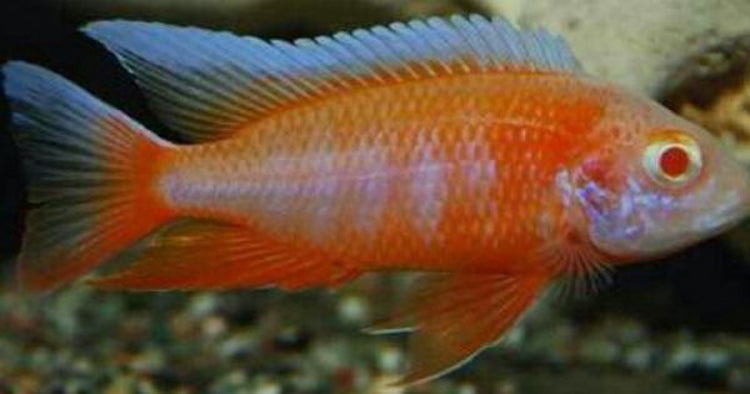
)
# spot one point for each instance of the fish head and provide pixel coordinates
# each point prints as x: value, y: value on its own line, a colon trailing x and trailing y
x: 657, y: 183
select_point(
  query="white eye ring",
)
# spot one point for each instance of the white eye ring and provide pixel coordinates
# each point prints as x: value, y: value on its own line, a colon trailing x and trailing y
x: 674, y: 161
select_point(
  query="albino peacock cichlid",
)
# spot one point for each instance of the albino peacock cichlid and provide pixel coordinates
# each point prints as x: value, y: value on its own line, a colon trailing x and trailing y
x: 461, y: 148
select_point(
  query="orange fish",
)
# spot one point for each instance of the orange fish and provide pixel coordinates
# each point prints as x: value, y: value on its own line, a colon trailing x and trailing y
x: 476, y: 154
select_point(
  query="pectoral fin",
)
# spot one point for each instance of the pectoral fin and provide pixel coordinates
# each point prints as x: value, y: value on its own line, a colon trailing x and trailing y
x: 454, y: 316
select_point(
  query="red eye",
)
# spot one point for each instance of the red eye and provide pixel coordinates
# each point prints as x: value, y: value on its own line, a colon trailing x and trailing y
x: 674, y: 161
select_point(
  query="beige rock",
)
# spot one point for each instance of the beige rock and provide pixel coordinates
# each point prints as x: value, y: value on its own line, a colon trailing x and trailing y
x: 712, y: 88
x: 510, y: 9
x: 637, y: 42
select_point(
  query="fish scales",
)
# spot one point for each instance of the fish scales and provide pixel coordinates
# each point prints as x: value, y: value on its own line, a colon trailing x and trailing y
x: 429, y: 162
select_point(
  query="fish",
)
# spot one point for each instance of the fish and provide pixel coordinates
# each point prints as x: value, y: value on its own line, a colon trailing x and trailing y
x: 478, y: 155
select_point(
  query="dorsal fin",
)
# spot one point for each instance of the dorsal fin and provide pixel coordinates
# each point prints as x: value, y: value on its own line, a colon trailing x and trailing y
x: 208, y: 85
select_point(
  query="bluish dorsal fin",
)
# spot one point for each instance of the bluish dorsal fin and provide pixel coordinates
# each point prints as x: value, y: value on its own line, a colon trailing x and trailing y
x: 208, y: 85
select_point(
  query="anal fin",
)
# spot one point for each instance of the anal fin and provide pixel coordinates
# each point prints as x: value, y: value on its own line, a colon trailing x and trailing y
x: 454, y: 316
x: 207, y: 255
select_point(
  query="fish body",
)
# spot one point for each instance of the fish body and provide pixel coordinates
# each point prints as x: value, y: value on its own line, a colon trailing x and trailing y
x: 448, y: 174
x: 464, y: 149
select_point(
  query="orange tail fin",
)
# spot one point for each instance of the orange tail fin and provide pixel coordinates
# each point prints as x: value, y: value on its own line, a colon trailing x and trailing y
x: 91, y: 173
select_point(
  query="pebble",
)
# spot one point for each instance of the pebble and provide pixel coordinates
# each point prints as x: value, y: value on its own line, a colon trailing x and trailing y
x: 682, y: 356
x: 384, y: 385
x: 203, y: 304
x: 148, y: 362
x: 390, y: 359
x: 630, y: 332
x: 551, y: 345
x: 639, y: 358
x: 599, y: 350
x: 506, y: 387
x: 714, y: 358
x: 292, y: 338
x: 266, y: 387
x: 238, y: 345
x: 354, y: 310
x: 738, y: 379
x: 466, y: 388
x: 306, y: 379
x: 331, y: 355
x: 231, y: 381
x: 213, y: 326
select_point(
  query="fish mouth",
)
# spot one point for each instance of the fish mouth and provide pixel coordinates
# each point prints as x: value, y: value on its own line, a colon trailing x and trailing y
x: 687, y: 233
x: 728, y: 215
x: 710, y: 225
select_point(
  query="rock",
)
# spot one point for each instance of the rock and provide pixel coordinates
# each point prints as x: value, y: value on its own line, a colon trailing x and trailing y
x: 390, y: 359
x: 466, y: 388
x: 630, y: 332
x: 231, y: 381
x: 265, y: 386
x: 739, y: 380
x: 331, y: 355
x: 213, y: 327
x: 639, y: 358
x: 506, y: 387
x: 292, y: 339
x: 202, y: 305
x: 715, y: 358
x: 238, y: 346
x: 148, y: 362
x: 598, y: 349
x: 510, y: 9
x: 683, y: 355
x: 712, y: 88
x: 307, y: 379
x: 384, y: 385
x: 553, y: 346
x: 63, y: 311
x: 705, y: 366
x: 637, y: 43
x: 353, y: 309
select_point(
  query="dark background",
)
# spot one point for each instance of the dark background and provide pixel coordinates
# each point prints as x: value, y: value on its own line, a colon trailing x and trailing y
x: 705, y: 288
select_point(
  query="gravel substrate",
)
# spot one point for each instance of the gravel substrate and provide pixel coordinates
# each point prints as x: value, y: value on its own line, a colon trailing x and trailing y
x: 81, y: 340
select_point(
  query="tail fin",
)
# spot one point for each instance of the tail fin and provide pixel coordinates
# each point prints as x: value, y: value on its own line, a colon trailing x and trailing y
x: 91, y: 175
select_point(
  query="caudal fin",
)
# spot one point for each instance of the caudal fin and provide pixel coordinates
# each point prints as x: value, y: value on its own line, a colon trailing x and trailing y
x: 91, y: 173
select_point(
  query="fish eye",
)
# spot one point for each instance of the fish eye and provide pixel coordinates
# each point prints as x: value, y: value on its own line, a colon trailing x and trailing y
x: 673, y: 161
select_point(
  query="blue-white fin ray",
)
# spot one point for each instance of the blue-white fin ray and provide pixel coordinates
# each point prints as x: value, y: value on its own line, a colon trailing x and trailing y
x: 421, y: 53
x: 208, y: 85
x: 438, y: 47
x: 479, y: 49
x: 383, y: 55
